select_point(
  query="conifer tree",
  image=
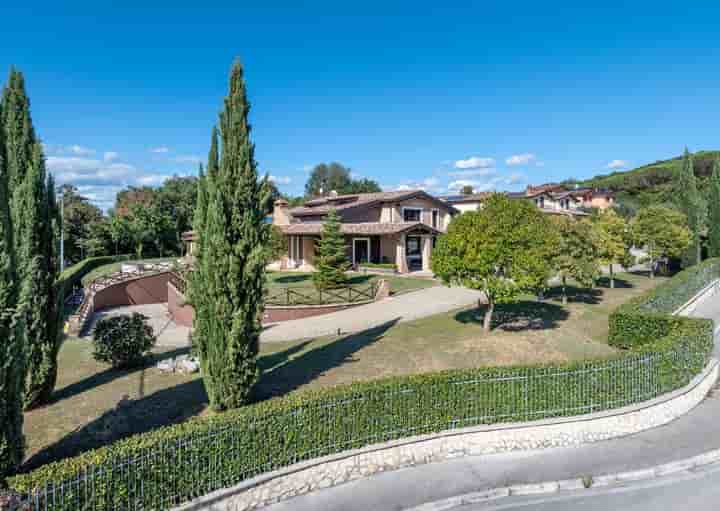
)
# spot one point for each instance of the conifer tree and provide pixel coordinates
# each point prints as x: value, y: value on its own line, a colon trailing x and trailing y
x: 32, y: 211
x: 228, y: 286
x: 690, y: 202
x: 714, y: 211
x: 331, y: 261
x: 12, y: 350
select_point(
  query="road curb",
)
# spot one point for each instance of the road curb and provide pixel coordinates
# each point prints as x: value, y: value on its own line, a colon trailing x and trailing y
x: 585, y: 482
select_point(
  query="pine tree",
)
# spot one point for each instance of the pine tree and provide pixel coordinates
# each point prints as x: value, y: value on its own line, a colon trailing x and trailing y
x: 690, y: 202
x: 228, y: 286
x: 714, y: 211
x: 12, y: 352
x: 331, y: 261
x: 32, y: 209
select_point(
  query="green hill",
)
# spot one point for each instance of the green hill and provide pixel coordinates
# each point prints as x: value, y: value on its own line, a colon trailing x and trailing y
x: 651, y: 184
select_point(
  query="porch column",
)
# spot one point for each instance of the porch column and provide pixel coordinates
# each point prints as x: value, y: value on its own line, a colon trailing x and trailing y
x: 400, y: 259
x: 426, y: 252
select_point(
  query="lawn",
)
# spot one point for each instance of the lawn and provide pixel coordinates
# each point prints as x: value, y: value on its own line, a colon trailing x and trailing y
x: 398, y: 285
x: 108, y: 269
x: 94, y: 405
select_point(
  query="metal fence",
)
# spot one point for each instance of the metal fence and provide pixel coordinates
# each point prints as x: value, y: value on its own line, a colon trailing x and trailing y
x: 164, y: 473
x: 289, y: 296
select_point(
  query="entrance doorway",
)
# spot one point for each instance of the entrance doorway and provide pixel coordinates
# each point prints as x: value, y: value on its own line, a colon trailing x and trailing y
x: 361, y: 251
x: 413, y: 253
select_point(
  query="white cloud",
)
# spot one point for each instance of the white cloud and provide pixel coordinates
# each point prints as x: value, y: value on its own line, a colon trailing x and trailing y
x: 478, y: 186
x: 100, y: 180
x: 472, y: 173
x: 520, y: 159
x: 516, y: 178
x: 617, y: 164
x: 80, y: 150
x: 475, y: 162
x: 281, y: 180
x: 429, y: 184
x: 161, y: 149
x: 110, y: 156
x: 187, y: 158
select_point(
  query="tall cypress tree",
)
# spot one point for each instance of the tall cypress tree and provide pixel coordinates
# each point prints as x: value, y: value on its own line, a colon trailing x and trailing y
x: 227, y: 290
x: 12, y: 349
x: 690, y: 202
x: 714, y: 211
x: 33, y: 230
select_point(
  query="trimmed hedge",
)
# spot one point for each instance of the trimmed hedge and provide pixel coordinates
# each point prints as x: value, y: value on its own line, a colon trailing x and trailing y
x: 73, y: 275
x: 647, y: 318
x: 174, y: 464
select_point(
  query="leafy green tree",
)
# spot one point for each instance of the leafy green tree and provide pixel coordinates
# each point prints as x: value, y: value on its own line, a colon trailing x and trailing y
x: 325, y: 178
x: 78, y: 215
x: 278, y: 245
x: 714, y: 211
x: 662, y: 231
x: 613, y: 240
x: 12, y: 347
x: 227, y: 287
x: 149, y: 225
x: 176, y: 200
x: 331, y: 261
x: 577, y: 256
x: 505, y: 250
x: 691, y: 203
x: 119, y: 231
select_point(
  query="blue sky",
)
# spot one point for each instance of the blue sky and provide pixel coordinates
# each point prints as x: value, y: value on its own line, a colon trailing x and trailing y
x: 410, y: 94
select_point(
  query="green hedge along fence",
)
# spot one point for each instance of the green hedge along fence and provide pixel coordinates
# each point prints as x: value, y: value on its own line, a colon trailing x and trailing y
x: 174, y: 464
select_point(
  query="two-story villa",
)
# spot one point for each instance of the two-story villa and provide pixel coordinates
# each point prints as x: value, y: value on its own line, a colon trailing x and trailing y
x: 390, y: 227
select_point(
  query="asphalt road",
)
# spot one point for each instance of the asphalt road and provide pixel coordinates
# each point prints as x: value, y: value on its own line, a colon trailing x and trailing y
x: 693, y: 492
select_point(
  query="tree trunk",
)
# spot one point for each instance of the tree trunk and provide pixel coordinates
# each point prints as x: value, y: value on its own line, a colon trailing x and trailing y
x: 564, y: 290
x: 612, y: 277
x: 487, y: 320
x: 699, y: 251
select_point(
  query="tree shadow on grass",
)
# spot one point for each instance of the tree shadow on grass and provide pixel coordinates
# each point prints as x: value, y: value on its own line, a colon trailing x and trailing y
x: 604, y: 281
x: 590, y: 296
x: 110, y: 374
x: 132, y: 416
x: 288, y: 376
x: 518, y: 317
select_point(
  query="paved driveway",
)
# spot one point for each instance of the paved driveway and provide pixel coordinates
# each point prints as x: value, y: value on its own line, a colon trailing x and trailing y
x: 405, y: 307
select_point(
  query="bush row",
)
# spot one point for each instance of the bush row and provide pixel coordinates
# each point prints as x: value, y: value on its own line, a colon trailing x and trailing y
x: 647, y: 318
x: 171, y: 465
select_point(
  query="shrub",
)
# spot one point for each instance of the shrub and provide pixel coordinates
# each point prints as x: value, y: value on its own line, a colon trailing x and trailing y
x: 73, y: 275
x: 123, y: 341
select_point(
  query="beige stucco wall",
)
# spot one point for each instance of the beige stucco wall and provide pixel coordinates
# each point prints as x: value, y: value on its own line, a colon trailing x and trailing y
x: 388, y: 248
x: 426, y: 217
x: 281, y: 215
x: 308, y: 250
x: 601, y: 202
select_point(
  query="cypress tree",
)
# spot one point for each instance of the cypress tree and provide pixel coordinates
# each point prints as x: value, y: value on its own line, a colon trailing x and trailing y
x: 714, y: 211
x: 12, y: 350
x: 228, y: 287
x: 690, y: 202
x: 32, y: 209
x: 331, y: 259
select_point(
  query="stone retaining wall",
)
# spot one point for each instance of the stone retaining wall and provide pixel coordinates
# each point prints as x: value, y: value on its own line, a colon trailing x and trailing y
x: 564, y: 432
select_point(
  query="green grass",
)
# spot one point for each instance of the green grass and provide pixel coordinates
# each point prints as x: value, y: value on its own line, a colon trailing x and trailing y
x: 398, y: 285
x: 95, y: 405
x: 108, y: 269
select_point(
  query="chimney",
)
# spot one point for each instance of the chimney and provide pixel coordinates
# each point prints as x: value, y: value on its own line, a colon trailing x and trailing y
x: 281, y: 212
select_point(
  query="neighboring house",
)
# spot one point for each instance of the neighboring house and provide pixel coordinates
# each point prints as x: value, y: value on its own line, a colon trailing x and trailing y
x: 397, y: 228
x: 551, y: 198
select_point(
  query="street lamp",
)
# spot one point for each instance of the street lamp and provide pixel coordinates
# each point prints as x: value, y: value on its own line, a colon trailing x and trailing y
x: 61, y: 189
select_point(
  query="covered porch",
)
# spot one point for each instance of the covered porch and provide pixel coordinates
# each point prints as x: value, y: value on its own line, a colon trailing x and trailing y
x: 408, y: 247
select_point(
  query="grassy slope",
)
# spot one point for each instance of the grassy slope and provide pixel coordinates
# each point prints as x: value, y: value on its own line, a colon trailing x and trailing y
x: 651, y: 183
x: 94, y: 405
